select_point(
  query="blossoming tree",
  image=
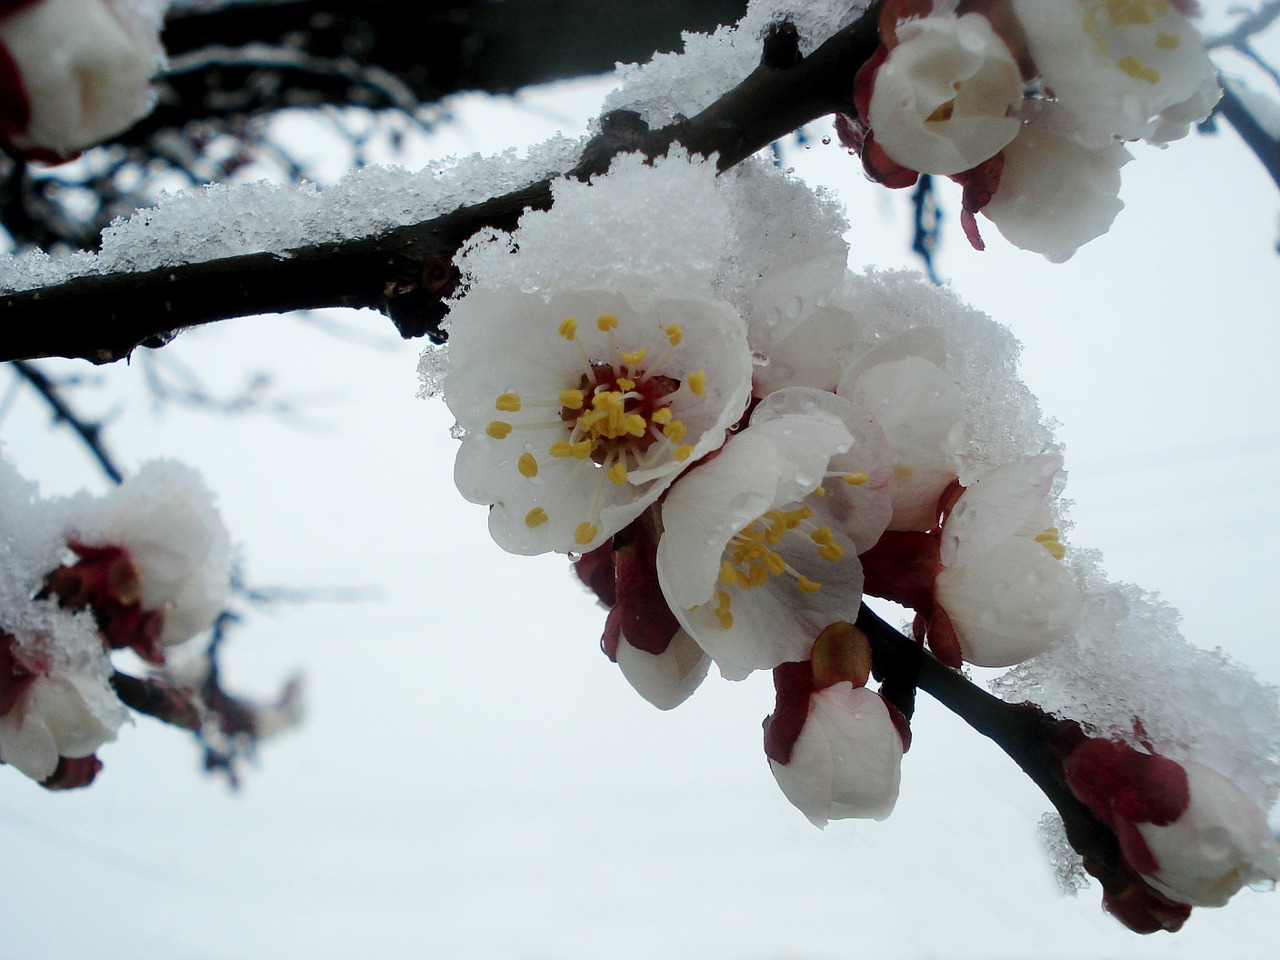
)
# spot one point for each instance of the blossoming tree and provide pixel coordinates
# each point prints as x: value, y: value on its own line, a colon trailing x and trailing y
x: 663, y: 367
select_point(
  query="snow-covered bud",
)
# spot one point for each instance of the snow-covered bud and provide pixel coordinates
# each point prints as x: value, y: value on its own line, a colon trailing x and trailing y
x: 1137, y: 70
x: 945, y: 97
x: 155, y: 559
x: 78, y: 72
x: 1056, y: 190
x: 1003, y: 586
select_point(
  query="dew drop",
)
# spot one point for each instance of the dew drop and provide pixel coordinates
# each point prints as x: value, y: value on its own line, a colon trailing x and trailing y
x: 826, y: 141
x: 758, y: 359
x: 574, y: 556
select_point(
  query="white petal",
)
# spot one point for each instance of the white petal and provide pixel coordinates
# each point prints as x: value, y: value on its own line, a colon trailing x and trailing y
x: 847, y: 761
x: 76, y: 712
x: 26, y: 742
x: 1219, y: 844
x: 669, y: 678
x: 996, y: 507
x: 1010, y: 604
x: 943, y: 100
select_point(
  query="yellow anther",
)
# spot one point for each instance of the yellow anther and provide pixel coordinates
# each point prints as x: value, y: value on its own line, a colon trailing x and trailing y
x: 1056, y: 550
x: 822, y: 536
x: 585, y: 533
x: 563, y: 448
x: 1167, y: 41
x: 498, y: 429
x: 1131, y: 13
x: 633, y: 357
x: 857, y: 478
x: 607, y: 321
x: 662, y: 416
x: 697, y: 382
x: 674, y: 334
x: 1138, y: 70
x: 774, y: 563
x: 527, y: 465
x: 831, y: 551
x: 508, y: 402
x: 728, y: 575
x: 674, y: 431
x: 568, y: 328
x: 759, y: 576
x: 819, y: 491
x: 806, y: 585
x: 637, y: 425
x: 722, y: 610
x: 618, y: 473
x: 942, y: 113
x: 535, y: 518
x: 1049, y: 534
x: 683, y: 453
x: 571, y: 399
x: 626, y: 384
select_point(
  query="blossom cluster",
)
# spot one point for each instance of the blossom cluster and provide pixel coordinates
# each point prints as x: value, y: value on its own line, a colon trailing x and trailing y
x: 75, y: 72
x: 1027, y: 104
x: 735, y: 450
x: 143, y: 568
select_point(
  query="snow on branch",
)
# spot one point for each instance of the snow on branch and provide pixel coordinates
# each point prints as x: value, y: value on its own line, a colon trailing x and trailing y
x: 407, y: 271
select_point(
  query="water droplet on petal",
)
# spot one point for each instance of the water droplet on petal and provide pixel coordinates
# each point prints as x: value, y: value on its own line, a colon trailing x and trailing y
x: 574, y: 556
x: 758, y: 359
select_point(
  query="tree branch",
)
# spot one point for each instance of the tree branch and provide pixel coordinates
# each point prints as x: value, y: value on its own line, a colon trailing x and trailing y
x: 408, y: 272
x: 90, y: 434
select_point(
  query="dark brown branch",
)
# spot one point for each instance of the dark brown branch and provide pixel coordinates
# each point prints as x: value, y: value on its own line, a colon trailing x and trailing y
x: 1023, y: 731
x: 408, y: 271
x: 1264, y: 146
x: 90, y: 433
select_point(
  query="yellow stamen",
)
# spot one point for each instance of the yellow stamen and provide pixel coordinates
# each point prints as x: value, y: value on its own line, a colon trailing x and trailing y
x: 722, y: 610
x: 1138, y: 70
x: 508, y: 402
x: 571, y: 399
x: 1167, y: 41
x: 563, y: 448
x: 674, y: 334
x: 661, y: 417
x: 626, y: 384
x: 674, y: 431
x: 535, y: 518
x: 618, y: 473
x: 498, y: 429
x: 806, y: 585
x: 527, y: 465
x: 568, y: 328
x: 697, y: 382
x: 682, y: 453
x: 633, y: 358
x: 585, y: 533
x: 857, y: 478
x: 607, y: 321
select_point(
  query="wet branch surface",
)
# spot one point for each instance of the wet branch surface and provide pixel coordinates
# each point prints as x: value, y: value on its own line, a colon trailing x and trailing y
x: 407, y: 272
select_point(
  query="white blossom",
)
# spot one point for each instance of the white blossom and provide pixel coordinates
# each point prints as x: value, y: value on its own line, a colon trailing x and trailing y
x: 944, y: 99
x: 749, y: 561
x: 1003, y: 585
x: 1056, y: 192
x: 847, y: 760
x: 582, y: 409
x: 58, y: 716
x: 1136, y: 69
x: 84, y: 69
x: 665, y: 679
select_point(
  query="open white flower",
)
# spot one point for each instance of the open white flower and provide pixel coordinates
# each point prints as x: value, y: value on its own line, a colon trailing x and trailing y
x: 1136, y: 69
x: 944, y: 100
x: 1220, y: 843
x: 58, y: 716
x: 752, y: 561
x: 1057, y: 191
x: 581, y: 410
x: 847, y: 760
x: 1003, y: 586
x: 83, y: 69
